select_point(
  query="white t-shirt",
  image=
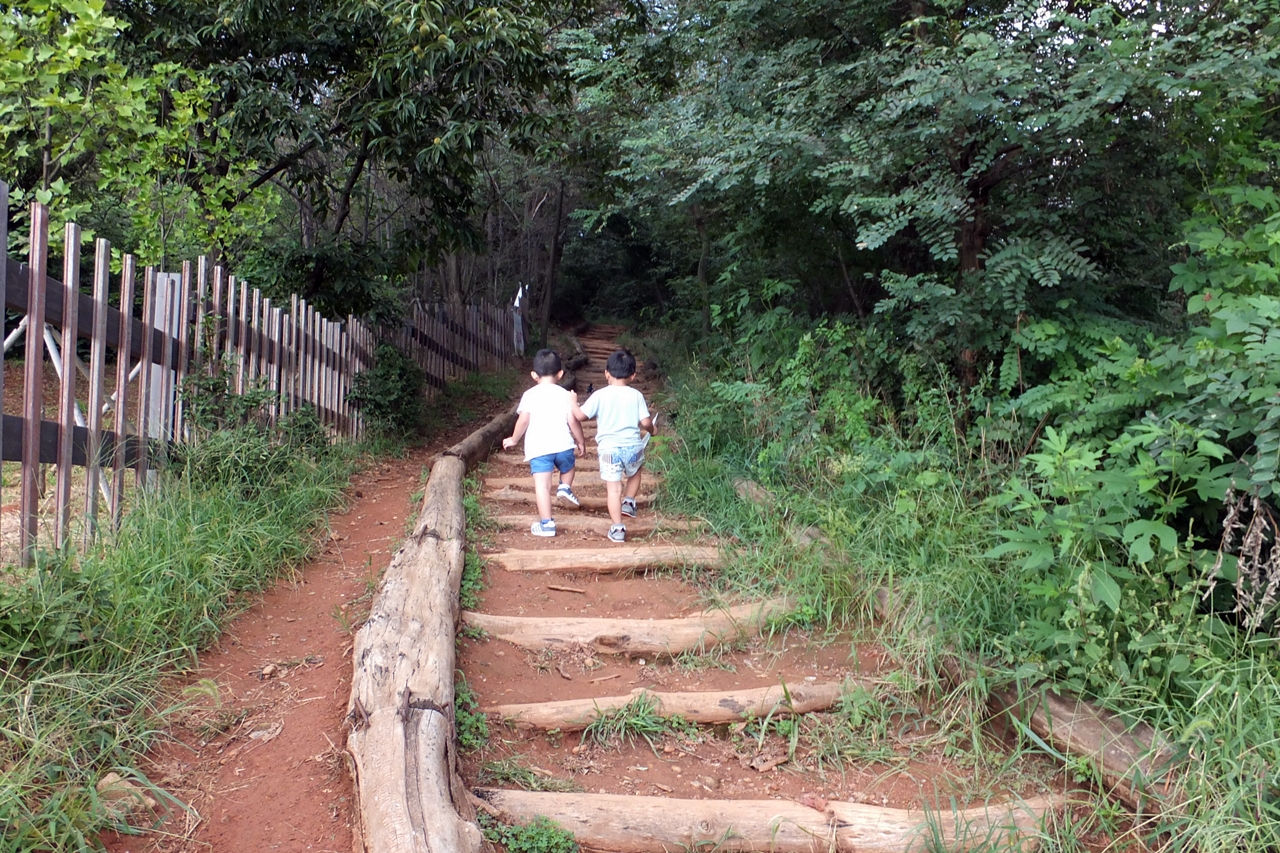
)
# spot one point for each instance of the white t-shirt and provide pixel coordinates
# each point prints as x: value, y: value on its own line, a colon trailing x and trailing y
x: 618, y: 410
x: 549, y: 407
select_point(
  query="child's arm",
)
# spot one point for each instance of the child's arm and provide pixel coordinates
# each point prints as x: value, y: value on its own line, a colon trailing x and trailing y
x: 648, y: 426
x: 578, y: 415
x: 522, y: 424
x: 579, y: 439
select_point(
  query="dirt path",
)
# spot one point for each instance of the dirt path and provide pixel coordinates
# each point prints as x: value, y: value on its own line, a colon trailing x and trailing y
x: 258, y: 756
x: 525, y: 672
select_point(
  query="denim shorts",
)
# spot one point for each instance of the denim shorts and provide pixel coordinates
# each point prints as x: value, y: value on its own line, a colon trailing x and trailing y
x: 620, y: 463
x: 562, y: 462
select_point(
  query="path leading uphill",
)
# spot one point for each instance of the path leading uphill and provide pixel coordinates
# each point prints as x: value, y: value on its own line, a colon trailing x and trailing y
x: 636, y: 708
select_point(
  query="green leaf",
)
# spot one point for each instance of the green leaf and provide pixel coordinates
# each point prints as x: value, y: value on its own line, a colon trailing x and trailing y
x: 1105, y: 590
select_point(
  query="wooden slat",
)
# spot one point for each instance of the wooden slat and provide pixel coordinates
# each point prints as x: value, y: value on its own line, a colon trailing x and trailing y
x: 144, y: 376
x: 255, y: 338
x: 219, y: 319
x: 184, y: 348
x: 33, y: 386
x: 199, y: 344
x: 97, y: 372
x: 67, y: 384
x: 125, y: 319
x: 4, y: 284
x: 242, y: 336
x: 166, y: 311
x: 276, y: 337
x: 605, y: 559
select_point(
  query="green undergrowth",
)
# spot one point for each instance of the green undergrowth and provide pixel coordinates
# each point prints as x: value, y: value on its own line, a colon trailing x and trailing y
x: 541, y: 835
x: 87, y: 641
x: 1060, y: 570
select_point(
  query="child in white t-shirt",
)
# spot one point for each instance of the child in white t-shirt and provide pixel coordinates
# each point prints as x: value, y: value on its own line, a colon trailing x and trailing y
x: 552, y: 437
x: 621, y: 415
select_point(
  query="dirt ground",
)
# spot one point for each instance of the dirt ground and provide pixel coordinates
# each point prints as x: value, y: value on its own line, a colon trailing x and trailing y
x: 257, y: 756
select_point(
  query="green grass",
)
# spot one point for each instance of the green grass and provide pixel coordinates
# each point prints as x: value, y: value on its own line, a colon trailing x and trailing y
x: 471, y: 723
x: 639, y: 718
x: 85, y: 641
x: 514, y: 771
x: 541, y: 835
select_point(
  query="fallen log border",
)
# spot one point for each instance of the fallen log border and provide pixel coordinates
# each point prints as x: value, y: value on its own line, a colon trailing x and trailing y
x: 401, y: 747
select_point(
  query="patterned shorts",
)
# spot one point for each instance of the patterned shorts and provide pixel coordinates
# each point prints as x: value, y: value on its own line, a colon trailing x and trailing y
x: 620, y: 463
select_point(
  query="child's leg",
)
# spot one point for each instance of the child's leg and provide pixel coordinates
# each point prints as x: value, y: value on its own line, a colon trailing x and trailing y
x: 614, y: 490
x: 542, y: 493
x: 633, y: 483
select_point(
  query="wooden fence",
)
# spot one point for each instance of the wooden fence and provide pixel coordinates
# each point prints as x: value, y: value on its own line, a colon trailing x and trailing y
x: 192, y: 320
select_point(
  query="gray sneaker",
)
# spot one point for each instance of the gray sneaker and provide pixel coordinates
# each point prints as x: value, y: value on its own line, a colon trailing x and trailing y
x: 617, y: 533
x: 629, y: 507
x: 566, y: 493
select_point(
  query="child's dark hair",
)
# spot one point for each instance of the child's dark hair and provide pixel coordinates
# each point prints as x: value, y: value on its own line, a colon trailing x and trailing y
x: 546, y: 362
x: 621, y: 364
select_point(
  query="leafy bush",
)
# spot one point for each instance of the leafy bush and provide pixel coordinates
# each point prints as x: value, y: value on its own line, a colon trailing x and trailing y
x: 390, y: 394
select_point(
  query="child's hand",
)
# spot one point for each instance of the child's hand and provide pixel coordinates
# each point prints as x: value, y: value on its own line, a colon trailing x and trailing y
x: 508, y: 442
x: 579, y: 449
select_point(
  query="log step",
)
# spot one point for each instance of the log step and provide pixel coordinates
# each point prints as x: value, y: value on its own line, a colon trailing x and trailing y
x: 707, y: 708
x: 512, y: 495
x: 626, y: 824
x: 630, y: 636
x: 591, y: 524
x: 589, y: 462
x: 526, y: 482
x: 612, y: 559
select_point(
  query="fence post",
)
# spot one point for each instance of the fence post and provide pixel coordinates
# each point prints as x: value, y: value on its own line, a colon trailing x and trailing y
x: 145, y: 373
x: 33, y: 390
x: 219, y: 312
x: 67, y: 385
x: 123, y: 356
x: 184, y: 352
x: 4, y: 283
x: 97, y: 370
x: 242, y: 338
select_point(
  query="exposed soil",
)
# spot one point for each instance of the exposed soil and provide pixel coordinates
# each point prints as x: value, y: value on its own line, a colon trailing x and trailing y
x: 259, y: 761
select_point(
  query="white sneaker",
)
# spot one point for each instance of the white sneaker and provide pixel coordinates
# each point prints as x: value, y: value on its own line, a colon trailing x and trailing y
x: 617, y: 533
x: 567, y: 494
x: 543, y: 528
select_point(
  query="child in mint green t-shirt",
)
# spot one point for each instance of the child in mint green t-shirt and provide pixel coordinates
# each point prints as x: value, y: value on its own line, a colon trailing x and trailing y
x: 623, y: 427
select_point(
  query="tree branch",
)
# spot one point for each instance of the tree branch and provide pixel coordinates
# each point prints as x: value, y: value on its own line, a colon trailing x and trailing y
x: 344, y: 201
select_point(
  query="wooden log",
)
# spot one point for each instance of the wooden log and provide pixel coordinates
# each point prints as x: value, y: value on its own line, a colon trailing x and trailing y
x: 510, y: 495
x: 476, y: 446
x: 573, y: 523
x: 603, y: 560
x: 625, y: 824
x: 67, y: 386
x: 630, y: 636
x: 707, y: 708
x: 1135, y: 762
x: 526, y: 482
x: 410, y: 793
x: 590, y: 461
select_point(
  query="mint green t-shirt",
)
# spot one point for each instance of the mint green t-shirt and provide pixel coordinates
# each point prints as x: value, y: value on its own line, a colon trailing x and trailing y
x: 618, y: 410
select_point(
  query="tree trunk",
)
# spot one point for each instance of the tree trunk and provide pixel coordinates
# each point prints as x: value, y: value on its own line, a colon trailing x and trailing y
x: 704, y: 288
x: 553, y: 263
